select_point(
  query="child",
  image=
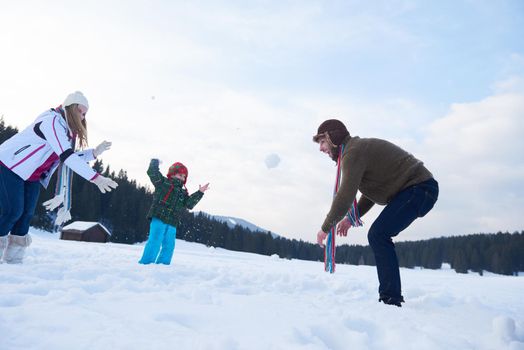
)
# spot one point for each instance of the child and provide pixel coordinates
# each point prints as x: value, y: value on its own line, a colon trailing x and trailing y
x: 169, y: 201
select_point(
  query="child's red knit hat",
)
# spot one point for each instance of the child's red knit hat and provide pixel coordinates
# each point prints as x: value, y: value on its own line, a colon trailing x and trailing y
x: 177, y: 168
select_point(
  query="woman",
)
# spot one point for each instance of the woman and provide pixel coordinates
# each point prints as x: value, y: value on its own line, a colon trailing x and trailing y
x: 32, y: 156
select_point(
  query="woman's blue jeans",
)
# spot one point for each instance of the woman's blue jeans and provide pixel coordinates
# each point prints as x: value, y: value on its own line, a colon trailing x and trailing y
x: 18, y: 200
x: 161, y: 239
x: 409, y: 204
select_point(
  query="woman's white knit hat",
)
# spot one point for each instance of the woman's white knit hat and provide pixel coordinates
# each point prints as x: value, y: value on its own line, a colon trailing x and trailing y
x: 76, y: 97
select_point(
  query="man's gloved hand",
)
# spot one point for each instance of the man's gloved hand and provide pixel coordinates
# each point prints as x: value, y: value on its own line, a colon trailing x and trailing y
x: 54, y: 202
x: 101, y: 148
x: 104, y: 184
x: 155, y: 162
x: 62, y: 216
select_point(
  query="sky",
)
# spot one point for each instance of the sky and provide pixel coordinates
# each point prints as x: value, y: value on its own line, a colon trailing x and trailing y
x: 235, y: 90
x: 80, y: 295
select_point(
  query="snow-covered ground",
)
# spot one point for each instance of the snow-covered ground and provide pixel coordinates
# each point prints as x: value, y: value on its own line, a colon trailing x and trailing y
x: 77, y: 295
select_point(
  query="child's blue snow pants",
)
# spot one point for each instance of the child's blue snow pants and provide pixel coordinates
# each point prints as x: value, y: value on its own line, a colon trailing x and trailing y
x: 161, y: 239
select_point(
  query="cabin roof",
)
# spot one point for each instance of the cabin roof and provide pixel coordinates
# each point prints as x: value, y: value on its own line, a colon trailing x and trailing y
x: 83, y: 226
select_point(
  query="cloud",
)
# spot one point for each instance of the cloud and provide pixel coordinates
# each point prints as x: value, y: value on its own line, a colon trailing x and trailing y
x: 476, y: 153
x: 224, y: 86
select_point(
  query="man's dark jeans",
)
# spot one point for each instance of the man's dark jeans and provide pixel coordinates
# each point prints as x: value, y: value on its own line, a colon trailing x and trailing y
x: 18, y: 200
x: 409, y: 204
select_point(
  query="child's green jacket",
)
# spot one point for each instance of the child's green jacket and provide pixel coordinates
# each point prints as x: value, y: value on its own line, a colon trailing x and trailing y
x: 170, y: 198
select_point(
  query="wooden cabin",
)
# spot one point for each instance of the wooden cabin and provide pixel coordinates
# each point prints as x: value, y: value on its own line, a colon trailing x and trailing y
x: 85, y: 231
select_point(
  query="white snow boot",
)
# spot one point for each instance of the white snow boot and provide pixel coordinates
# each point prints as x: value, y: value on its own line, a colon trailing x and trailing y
x: 16, y: 245
x: 3, y: 244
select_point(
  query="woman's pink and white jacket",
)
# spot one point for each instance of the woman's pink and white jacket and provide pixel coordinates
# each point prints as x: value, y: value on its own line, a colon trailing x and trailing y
x: 28, y: 150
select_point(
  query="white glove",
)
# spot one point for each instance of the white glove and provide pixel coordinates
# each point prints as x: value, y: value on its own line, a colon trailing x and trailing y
x: 54, y: 202
x: 63, y: 215
x: 101, y: 148
x: 104, y: 184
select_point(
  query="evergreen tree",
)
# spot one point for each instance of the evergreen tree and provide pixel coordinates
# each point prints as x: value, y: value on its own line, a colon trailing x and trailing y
x: 6, y: 132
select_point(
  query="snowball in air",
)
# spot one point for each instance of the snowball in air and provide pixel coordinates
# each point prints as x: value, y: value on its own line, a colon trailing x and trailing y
x: 272, y: 161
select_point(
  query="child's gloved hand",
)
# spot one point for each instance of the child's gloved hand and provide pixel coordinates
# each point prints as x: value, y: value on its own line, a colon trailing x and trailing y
x: 203, y: 188
x: 156, y: 162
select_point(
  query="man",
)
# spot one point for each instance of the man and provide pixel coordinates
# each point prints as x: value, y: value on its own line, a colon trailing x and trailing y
x: 387, y: 175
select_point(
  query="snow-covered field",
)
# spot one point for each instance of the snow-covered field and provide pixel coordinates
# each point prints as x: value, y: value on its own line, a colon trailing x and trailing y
x: 77, y: 295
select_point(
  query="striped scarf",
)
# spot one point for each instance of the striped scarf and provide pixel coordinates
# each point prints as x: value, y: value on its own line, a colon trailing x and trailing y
x: 63, y: 189
x: 64, y: 184
x: 352, y: 215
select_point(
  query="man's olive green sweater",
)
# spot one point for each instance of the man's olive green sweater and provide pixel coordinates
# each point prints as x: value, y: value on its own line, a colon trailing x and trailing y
x: 379, y: 170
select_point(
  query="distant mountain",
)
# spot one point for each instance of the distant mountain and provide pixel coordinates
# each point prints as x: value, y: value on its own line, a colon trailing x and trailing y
x: 232, y: 222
